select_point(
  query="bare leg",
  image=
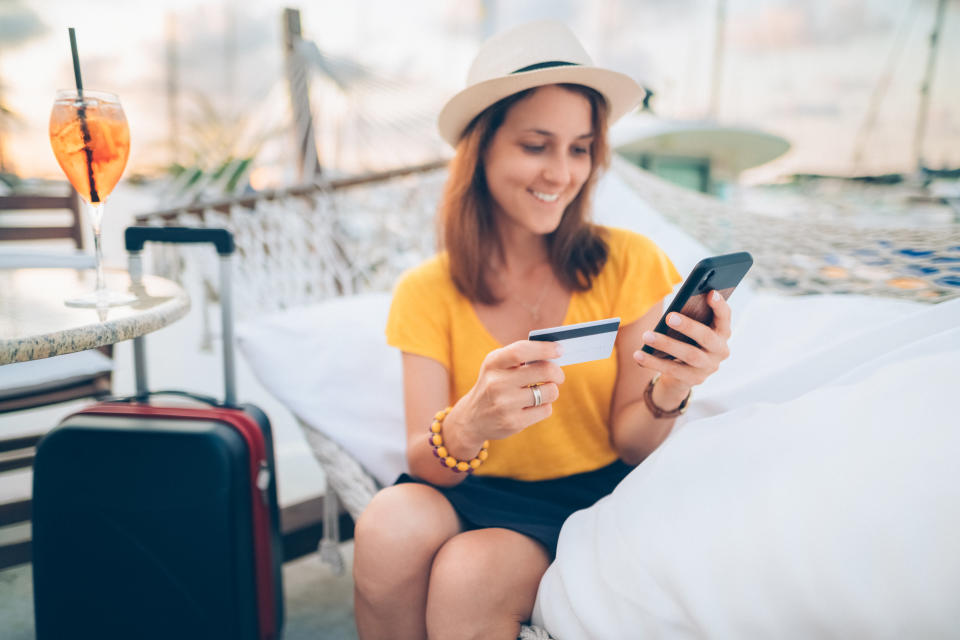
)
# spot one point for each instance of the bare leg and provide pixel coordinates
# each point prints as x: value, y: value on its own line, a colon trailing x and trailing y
x: 483, y: 585
x: 395, y: 541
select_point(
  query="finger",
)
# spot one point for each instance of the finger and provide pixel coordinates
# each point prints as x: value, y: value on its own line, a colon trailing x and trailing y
x: 705, y: 336
x: 536, y: 414
x: 681, y: 372
x: 538, y: 372
x: 688, y: 353
x: 523, y: 351
x: 721, y: 314
x: 549, y: 393
x: 526, y: 399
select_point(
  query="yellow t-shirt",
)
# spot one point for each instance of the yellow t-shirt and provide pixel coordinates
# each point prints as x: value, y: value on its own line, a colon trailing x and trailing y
x: 429, y: 317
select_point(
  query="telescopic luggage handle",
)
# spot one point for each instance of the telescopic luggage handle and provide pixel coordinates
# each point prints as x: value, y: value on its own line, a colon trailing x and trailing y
x: 222, y: 239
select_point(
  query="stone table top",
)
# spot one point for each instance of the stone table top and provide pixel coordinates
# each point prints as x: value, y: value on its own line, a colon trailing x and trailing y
x: 35, y: 323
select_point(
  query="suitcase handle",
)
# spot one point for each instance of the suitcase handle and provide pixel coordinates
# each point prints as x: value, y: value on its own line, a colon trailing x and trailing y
x: 203, y: 399
x: 222, y: 239
x: 136, y: 237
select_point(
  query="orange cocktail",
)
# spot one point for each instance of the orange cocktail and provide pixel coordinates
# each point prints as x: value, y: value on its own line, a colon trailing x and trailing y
x: 91, y: 140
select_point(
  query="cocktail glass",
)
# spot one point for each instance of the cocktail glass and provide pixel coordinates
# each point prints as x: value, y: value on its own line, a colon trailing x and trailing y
x: 91, y: 140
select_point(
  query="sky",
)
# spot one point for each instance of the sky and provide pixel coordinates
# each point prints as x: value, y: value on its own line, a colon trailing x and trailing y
x: 803, y: 69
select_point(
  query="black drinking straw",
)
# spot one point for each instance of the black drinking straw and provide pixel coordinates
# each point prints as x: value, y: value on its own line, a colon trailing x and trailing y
x: 76, y: 60
x: 82, y: 115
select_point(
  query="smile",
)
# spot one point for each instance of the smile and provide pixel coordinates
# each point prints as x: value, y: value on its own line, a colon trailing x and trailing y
x: 545, y: 197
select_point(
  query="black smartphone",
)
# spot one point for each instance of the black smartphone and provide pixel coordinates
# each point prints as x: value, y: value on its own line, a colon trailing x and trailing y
x: 722, y: 273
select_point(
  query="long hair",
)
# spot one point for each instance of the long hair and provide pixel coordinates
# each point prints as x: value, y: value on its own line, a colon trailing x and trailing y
x: 466, y: 228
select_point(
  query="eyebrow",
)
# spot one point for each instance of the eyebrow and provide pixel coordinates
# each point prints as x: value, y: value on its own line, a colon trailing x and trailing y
x: 544, y: 132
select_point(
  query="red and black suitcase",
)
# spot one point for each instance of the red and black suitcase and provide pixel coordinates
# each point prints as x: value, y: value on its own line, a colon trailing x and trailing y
x: 154, y: 521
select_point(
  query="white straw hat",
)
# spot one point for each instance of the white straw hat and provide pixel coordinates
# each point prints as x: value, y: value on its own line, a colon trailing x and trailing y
x: 532, y: 55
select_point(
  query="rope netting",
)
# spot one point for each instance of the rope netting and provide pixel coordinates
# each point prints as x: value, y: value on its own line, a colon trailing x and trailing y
x: 802, y: 256
x: 309, y: 244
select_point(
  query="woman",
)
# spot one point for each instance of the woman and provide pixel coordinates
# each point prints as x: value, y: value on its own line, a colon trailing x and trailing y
x: 451, y: 553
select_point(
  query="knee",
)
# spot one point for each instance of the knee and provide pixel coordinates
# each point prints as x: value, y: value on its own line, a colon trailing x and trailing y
x: 484, y: 583
x: 398, y: 534
x: 460, y: 565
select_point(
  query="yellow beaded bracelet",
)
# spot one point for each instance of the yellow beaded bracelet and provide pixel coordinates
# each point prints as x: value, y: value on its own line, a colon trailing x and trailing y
x: 446, y: 460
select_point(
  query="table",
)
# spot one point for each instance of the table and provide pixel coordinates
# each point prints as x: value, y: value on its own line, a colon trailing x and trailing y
x: 35, y: 323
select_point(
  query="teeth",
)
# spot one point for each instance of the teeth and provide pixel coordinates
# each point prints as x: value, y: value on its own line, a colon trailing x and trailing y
x: 546, y: 197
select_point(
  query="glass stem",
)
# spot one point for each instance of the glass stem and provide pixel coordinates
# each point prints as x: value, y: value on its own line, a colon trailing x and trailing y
x: 96, y: 217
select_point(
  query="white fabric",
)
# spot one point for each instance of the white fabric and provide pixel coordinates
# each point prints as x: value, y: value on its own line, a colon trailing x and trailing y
x: 20, y: 378
x: 17, y: 258
x: 826, y: 504
x: 329, y: 363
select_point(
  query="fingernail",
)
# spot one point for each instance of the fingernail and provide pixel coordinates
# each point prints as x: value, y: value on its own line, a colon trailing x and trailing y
x: 716, y: 296
x: 673, y: 320
x: 638, y: 355
x: 649, y: 336
x: 558, y: 350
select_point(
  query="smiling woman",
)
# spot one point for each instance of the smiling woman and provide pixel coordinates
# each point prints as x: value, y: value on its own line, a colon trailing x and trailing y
x: 458, y: 548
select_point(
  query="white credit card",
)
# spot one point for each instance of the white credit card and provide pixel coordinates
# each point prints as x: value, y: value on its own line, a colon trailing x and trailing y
x: 581, y: 342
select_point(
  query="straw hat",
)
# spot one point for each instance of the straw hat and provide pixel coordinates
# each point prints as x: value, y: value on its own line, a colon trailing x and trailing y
x: 532, y: 55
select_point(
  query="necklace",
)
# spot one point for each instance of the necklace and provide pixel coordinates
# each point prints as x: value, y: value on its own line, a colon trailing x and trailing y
x: 532, y: 309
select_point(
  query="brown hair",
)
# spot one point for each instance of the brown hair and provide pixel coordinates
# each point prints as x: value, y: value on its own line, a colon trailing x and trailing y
x: 466, y: 229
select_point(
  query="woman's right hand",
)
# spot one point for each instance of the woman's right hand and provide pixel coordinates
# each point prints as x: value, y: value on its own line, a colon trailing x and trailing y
x: 501, y: 402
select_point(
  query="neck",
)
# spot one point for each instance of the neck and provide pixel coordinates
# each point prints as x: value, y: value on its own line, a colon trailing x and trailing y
x: 521, y: 252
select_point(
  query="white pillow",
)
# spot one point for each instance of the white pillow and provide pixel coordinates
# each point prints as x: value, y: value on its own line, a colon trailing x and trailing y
x: 834, y: 512
x: 329, y: 363
x: 29, y: 257
x: 617, y: 204
x: 35, y: 376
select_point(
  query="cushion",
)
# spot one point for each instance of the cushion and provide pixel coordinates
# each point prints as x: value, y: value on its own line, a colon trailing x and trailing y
x: 329, y: 363
x: 35, y: 376
x: 827, y: 504
x: 30, y: 257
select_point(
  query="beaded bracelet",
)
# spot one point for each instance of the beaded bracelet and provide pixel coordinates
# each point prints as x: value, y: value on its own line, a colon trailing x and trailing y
x: 446, y: 460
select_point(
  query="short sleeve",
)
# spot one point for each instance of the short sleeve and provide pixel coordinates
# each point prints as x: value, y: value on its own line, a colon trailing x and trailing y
x: 419, y: 320
x: 646, y: 274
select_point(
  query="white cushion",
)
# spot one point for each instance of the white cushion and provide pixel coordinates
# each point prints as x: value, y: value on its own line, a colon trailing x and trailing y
x: 24, y: 257
x: 329, y: 363
x: 826, y: 505
x: 21, y: 378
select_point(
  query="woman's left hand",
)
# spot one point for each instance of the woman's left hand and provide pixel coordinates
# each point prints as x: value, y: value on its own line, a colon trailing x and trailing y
x: 693, y: 364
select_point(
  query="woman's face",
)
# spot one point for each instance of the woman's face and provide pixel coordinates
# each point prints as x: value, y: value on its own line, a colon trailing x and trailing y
x: 539, y: 158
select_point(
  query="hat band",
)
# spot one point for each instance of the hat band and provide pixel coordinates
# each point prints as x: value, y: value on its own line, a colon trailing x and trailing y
x: 544, y: 65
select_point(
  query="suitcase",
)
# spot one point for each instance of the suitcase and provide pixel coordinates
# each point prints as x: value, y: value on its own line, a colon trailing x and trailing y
x: 154, y: 521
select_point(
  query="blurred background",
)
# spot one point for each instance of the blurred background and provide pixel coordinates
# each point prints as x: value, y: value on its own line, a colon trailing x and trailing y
x: 821, y: 87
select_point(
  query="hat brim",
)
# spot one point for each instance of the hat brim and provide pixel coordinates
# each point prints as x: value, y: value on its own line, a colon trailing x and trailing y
x: 621, y: 91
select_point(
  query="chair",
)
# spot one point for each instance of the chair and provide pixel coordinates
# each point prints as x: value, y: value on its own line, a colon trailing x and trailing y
x: 42, y: 383
x: 305, y: 245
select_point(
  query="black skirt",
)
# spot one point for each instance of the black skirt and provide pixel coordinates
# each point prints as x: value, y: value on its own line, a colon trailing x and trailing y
x: 537, y: 509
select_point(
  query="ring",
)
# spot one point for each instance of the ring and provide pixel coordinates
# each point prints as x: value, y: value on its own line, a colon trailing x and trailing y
x: 537, y: 398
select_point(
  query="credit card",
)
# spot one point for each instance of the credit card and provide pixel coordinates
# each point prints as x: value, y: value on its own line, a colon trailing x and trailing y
x: 581, y: 342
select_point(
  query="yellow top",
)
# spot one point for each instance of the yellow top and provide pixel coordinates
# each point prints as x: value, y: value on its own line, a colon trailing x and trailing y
x: 429, y: 317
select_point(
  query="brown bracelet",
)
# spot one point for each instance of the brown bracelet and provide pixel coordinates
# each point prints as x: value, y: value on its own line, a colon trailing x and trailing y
x: 657, y: 411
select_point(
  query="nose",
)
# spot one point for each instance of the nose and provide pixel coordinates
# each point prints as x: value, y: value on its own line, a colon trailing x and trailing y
x: 556, y: 170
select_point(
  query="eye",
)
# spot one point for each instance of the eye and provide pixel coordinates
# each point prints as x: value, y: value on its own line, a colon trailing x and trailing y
x: 534, y: 148
x: 579, y: 151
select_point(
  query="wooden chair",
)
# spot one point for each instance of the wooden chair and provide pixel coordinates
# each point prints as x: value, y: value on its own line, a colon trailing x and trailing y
x: 17, y: 453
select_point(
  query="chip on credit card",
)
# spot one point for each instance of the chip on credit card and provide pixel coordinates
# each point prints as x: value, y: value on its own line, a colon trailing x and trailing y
x: 581, y: 342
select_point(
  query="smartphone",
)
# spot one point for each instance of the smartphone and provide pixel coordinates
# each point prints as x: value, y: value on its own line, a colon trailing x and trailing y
x: 721, y: 273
